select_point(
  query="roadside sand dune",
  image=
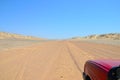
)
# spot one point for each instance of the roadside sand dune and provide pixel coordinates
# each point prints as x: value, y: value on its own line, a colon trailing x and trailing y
x: 113, y: 36
x: 4, y: 35
x: 52, y: 60
x: 110, y: 36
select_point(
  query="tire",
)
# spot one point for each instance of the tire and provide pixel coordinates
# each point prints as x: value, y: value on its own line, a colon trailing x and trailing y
x: 86, y: 77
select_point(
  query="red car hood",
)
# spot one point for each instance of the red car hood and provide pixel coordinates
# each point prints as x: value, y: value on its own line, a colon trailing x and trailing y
x: 108, y: 64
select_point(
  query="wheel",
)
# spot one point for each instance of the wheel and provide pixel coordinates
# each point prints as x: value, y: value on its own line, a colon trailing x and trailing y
x: 86, y: 77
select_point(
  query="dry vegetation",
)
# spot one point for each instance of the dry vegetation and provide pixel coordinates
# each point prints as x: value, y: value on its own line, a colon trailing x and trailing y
x: 110, y: 36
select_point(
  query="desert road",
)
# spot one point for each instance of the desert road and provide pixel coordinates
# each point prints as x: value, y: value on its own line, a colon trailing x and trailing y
x: 52, y: 60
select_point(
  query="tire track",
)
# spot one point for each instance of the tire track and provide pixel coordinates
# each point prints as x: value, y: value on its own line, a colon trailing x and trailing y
x: 21, y: 72
x: 56, y: 60
x: 23, y: 66
x: 96, y: 53
x: 72, y: 57
x: 83, y: 51
x: 79, y: 56
x: 99, y: 50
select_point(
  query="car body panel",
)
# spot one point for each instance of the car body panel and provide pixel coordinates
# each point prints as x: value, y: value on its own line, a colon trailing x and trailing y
x: 98, y: 69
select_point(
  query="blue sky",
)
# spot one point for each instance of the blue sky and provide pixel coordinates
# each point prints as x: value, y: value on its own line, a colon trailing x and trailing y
x: 60, y: 18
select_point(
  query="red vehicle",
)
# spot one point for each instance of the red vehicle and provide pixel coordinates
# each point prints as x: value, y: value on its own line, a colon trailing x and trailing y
x: 102, y: 70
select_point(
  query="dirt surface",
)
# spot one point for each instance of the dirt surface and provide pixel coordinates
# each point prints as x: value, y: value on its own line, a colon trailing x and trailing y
x: 52, y: 60
x: 6, y: 44
x: 101, y: 41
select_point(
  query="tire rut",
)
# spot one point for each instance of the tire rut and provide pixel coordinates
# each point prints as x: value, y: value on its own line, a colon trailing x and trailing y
x: 23, y: 67
x: 72, y: 57
x: 79, y: 56
x: 100, y: 52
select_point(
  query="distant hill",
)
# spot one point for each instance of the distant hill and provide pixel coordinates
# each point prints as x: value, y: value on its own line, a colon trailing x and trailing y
x: 5, y: 35
x: 112, y: 36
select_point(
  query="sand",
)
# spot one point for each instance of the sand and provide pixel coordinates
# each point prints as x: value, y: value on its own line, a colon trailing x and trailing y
x: 52, y: 60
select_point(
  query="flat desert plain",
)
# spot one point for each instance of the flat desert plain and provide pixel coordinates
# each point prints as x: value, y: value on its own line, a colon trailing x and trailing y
x: 51, y: 60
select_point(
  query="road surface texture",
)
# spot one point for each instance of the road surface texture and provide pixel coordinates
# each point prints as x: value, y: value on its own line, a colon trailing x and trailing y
x: 52, y: 60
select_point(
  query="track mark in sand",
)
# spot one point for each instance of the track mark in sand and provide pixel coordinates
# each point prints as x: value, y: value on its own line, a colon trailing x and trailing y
x: 99, y: 51
x: 72, y: 57
x: 21, y: 72
x: 79, y: 56
x: 83, y: 51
